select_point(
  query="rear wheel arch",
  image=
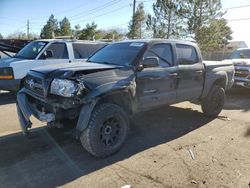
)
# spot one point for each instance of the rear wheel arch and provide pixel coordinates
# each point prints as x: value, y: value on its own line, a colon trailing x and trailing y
x: 220, y: 82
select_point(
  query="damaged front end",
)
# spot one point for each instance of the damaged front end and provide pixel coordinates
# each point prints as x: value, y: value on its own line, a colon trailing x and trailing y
x: 49, y: 100
x: 37, y: 99
x: 25, y: 109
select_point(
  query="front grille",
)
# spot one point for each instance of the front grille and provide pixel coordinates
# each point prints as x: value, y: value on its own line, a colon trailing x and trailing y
x: 241, y: 73
x: 35, y: 84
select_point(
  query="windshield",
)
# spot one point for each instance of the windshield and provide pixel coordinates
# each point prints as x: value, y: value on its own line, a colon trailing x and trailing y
x: 240, y: 54
x: 118, y: 53
x: 31, y: 50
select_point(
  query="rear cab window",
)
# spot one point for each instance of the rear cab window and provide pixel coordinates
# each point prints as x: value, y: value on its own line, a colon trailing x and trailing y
x: 84, y: 51
x: 186, y: 54
x: 164, y: 52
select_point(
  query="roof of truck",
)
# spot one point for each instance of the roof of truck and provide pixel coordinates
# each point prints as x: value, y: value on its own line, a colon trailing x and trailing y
x: 71, y: 41
x: 158, y: 40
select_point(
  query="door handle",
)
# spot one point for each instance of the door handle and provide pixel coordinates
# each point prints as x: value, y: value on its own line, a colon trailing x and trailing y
x: 155, y: 78
x: 175, y: 74
x: 150, y: 91
x: 199, y: 71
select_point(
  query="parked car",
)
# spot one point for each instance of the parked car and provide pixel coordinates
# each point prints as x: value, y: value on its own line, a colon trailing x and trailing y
x: 119, y: 80
x: 42, y: 53
x: 241, y: 60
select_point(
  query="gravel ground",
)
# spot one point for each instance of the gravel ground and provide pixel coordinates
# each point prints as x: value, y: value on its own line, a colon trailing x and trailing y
x: 174, y: 146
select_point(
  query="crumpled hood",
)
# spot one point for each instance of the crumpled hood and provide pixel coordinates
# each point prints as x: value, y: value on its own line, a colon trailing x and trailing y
x: 69, y: 69
x: 7, y: 61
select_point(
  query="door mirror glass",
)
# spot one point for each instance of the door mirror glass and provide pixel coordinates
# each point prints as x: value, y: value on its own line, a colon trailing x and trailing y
x: 48, y: 54
x: 150, y: 62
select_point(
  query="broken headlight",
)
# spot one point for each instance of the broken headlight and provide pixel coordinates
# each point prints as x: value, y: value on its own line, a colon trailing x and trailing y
x: 63, y: 87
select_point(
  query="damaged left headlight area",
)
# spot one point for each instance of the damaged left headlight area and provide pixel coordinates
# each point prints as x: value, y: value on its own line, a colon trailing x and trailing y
x: 64, y: 87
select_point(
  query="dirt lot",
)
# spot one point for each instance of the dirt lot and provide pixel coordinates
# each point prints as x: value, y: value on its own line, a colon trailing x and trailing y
x: 158, y: 152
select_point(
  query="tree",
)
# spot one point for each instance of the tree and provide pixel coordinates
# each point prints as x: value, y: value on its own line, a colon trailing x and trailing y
x: 199, y: 14
x: 22, y: 35
x: 214, y: 35
x: 17, y: 35
x: 89, y: 32
x: 1, y: 36
x: 77, y: 31
x: 65, y: 29
x: 50, y: 30
x: 168, y: 19
x: 205, y: 24
x: 137, y: 23
x: 113, y: 34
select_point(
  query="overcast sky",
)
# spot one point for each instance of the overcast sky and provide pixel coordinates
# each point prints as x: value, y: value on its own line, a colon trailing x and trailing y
x: 107, y: 14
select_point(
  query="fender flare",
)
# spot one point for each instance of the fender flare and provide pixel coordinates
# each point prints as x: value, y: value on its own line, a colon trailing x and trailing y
x: 220, y: 75
x: 84, y: 116
x: 87, y: 109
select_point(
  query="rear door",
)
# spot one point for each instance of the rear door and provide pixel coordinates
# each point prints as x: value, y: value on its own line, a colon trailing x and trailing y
x: 190, y: 72
x: 156, y: 86
x: 59, y: 52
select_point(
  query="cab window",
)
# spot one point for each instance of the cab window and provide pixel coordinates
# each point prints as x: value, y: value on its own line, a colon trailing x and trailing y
x: 186, y: 54
x: 58, y: 50
x: 84, y: 50
x: 163, y: 52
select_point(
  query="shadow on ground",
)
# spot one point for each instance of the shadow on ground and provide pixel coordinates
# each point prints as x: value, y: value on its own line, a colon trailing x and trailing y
x: 248, y: 132
x: 52, y: 157
x: 7, y: 97
x: 238, y: 99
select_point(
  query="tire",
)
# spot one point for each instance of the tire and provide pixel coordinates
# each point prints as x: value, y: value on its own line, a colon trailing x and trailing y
x: 107, y: 130
x: 213, y: 103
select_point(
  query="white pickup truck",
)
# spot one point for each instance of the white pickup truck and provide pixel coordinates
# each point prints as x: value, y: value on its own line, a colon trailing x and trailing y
x: 41, y: 53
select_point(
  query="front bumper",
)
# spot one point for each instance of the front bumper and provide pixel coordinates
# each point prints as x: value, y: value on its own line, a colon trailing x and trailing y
x: 10, y: 85
x: 25, y: 109
x: 244, y: 82
x: 242, y: 76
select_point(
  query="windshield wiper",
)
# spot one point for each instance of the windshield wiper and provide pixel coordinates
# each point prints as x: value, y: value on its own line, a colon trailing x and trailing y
x: 103, y: 62
x: 18, y: 56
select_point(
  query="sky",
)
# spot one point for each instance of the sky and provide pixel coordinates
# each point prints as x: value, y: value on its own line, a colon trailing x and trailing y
x: 107, y: 14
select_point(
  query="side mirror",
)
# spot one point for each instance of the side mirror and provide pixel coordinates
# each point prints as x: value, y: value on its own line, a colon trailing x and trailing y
x: 242, y: 56
x: 150, y: 62
x: 47, y: 54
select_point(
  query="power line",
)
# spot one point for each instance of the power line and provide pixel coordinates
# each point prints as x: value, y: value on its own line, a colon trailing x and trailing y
x: 90, y: 11
x: 106, y: 13
x: 243, y: 6
x: 239, y: 19
x: 103, y: 14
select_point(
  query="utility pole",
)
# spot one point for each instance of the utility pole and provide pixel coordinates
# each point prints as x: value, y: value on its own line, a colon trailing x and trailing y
x: 134, y: 9
x: 28, y: 29
x: 133, y: 23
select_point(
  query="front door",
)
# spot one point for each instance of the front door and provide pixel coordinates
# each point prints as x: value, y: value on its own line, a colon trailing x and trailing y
x: 59, y: 54
x: 157, y: 85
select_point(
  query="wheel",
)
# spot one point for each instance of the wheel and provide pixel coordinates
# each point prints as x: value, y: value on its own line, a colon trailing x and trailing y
x: 213, y: 103
x: 107, y: 130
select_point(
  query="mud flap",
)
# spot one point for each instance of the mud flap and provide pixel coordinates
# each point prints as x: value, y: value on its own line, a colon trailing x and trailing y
x: 84, y: 117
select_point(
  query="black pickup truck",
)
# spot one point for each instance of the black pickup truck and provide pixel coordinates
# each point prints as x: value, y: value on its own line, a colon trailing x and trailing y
x: 117, y: 81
